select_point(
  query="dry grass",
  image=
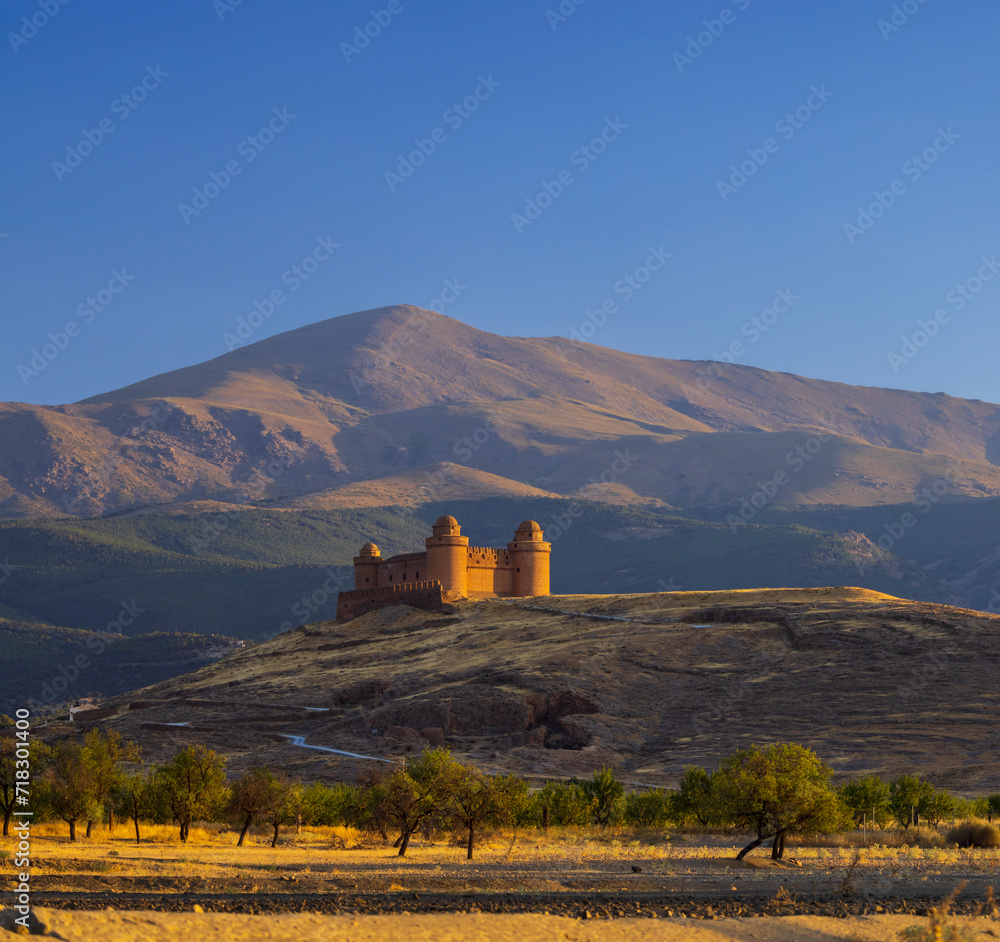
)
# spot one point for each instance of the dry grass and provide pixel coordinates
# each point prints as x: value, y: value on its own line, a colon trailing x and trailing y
x: 974, y: 834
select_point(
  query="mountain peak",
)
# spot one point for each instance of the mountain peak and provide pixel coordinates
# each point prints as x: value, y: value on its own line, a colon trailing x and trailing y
x: 400, y: 393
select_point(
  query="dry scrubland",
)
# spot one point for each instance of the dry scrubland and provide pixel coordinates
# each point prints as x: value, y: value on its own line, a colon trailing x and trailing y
x: 552, y: 688
x: 211, y: 873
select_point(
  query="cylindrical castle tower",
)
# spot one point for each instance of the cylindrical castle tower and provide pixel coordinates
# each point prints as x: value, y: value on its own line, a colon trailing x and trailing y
x: 366, y: 567
x: 530, y: 556
x: 448, y: 558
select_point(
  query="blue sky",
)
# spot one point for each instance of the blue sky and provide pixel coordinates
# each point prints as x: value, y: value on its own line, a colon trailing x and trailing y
x: 337, y: 120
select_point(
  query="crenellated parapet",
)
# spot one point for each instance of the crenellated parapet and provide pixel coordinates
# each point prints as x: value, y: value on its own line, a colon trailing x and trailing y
x: 425, y: 594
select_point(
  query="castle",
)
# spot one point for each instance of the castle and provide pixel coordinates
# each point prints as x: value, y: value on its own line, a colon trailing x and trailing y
x: 449, y: 569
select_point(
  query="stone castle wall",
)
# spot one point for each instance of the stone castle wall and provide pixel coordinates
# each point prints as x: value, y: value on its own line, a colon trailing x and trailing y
x: 425, y: 595
x: 449, y: 570
x: 491, y: 572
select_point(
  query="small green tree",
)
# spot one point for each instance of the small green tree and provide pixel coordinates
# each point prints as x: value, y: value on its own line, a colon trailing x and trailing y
x: 68, y: 786
x: 193, y: 785
x: 8, y: 780
x: 40, y: 755
x: 104, y: 751
x: 562, y: 804
x: 513, y: 801
x: 650, y: 809
x: 371, y: 812
x: 606, y: 796
x: 992, y: 806
x: 286, y: 808
x: 419, y: 793
x: 775, y: 790
x: 937, y: 806
x: 867, y: 798
x: 251, y: 797
x: 473, y: 802
x: 906, y: 795
x: 330, y: 805
x: 695, y: 798
x: 134, y: 797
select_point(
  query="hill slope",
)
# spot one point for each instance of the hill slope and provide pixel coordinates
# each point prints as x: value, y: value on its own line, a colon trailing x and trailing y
x: 400, y: 391
x: 252, y: 573
x: 644, y: 683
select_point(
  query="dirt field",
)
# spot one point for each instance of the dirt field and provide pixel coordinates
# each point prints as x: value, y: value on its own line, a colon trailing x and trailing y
x: 331, y: 883
x: 167, y: 927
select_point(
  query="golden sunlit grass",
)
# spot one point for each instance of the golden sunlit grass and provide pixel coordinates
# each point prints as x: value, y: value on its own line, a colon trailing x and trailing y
x: 211, y: 854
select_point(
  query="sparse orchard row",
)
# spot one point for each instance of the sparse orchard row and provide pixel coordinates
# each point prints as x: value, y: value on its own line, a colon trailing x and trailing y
x: 771, y: 793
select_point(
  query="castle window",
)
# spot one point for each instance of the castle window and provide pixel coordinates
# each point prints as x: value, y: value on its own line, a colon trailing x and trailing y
x: 366, y: 578
x: 404, y: 577
x: 518, y: 568
x: 390, y: 578
x: 416, y: 575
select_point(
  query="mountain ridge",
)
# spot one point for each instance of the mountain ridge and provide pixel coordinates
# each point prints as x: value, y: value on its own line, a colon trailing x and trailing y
x: 390, y: 391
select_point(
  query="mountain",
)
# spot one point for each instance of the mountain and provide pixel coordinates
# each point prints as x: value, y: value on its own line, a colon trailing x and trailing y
x: 402, y: 406
x: 228, y: 498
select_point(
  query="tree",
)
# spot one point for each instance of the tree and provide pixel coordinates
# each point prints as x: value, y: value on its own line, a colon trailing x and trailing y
x: 473, y: 801
x: 69, y: 788
x: 776, y: 790
x: 104, y: 751
x: 906, y: 794
x: 372, y: 810
x: 606, y: 796
x: 252, y: 796
x: 563, y: 804
x: 39, y: 755
x: 695, y: 797
x: 992, y: 806
x: 134, y: 797
x: 477, y: 800
x: 8, y: 780
x: 937, y: 806
x: 330, y: 805
x: 286, y: 806
x: 650, y: 809
x: 193, y: 784
x: 513, y: 801
x: 867, y: 799
x: 416, y: 794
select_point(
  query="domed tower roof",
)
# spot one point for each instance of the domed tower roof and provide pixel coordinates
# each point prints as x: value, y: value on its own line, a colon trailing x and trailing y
x: 369, y: 549
x: 446, y: 526
x: 528, y: 532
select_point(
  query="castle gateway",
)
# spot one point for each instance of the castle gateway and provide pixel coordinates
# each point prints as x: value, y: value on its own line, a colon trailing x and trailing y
x: 449, y: 569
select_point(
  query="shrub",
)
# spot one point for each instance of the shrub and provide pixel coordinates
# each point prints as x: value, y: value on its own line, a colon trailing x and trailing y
x: 606, y: 796
x: 650, y: 809
x: 974, y: 834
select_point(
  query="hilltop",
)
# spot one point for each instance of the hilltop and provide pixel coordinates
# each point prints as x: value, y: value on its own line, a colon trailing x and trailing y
x: 645, y: 683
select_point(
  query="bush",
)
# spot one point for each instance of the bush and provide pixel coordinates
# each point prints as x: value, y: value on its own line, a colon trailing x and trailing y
x: 974, y: 834
x: 652, y: 809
